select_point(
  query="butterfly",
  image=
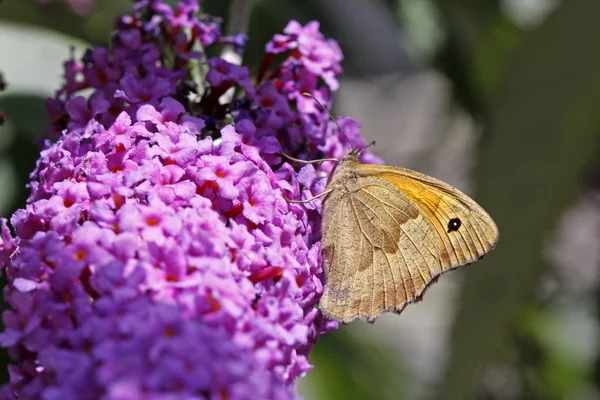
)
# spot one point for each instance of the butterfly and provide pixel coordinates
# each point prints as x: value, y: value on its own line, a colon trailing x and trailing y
x: 390, y: 232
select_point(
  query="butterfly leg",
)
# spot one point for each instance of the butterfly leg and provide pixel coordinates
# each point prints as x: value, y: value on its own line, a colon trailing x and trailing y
x: 308, y: 200
x: 308, y: 162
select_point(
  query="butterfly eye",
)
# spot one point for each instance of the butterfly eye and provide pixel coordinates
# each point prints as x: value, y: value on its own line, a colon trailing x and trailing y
x: 454, y: 225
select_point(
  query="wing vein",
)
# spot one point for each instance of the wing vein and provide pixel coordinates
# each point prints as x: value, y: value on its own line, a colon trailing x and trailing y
x: 432, y: 208
x: 372, y: 245
x: 399, y: 251
x: 400, y: 211
x: 473, y: 257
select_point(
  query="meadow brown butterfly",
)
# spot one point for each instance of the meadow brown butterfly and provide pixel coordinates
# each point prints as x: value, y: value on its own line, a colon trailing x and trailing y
x: 388, y: 233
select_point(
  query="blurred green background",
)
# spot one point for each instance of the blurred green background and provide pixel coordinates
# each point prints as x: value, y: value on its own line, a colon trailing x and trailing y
x: 500, y: 98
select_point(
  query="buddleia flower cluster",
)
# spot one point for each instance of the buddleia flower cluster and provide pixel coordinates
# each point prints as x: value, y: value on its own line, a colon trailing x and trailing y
x: 157, y: 256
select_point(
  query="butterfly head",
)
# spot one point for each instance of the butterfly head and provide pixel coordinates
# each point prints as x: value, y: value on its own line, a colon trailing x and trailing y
x: 355, y: 152
x: 344, y: 166
x: 352, y: 155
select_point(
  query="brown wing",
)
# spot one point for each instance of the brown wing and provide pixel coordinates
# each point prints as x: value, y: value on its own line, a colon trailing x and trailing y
x: 476, y: 233
x: 379, y: 251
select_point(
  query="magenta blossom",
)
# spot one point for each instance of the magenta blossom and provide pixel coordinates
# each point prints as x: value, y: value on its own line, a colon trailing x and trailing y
x: 157, y: 256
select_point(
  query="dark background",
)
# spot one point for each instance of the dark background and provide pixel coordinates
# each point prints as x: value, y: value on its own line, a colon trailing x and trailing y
x: 499, y: 98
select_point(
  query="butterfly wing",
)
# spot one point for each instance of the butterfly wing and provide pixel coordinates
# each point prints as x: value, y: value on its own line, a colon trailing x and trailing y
x: 465, y: 230
x: 379, y: 250
x: 388, y: 233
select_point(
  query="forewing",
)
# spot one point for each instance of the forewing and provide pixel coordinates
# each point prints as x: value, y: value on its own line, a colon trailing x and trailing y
x: 379, y: 251
x: 441, y: 203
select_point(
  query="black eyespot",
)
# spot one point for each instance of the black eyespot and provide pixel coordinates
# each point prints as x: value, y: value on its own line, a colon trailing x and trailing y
x: 454, y: 225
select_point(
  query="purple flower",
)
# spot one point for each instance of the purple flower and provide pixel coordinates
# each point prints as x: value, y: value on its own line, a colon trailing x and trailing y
x: 157, y: 256
x: 222, y: 75
x: 226, y: 176
x: 257, y: 199
x: 318, y: 55
x: 7, y: 243
x: 81, y: 111
x: 146, y: 90
x: 237, y: 41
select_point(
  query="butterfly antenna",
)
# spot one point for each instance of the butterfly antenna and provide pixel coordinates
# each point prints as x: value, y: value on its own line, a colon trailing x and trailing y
x: 366, y: 147
x: 306, y: 94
